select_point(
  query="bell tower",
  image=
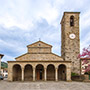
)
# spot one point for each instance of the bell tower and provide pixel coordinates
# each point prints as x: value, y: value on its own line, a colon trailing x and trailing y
x: 70, y: 42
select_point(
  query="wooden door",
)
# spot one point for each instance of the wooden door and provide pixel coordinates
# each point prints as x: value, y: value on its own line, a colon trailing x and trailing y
x: 38, y: 75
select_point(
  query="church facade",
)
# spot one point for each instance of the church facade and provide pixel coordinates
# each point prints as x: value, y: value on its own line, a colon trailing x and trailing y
x: 39, y: 63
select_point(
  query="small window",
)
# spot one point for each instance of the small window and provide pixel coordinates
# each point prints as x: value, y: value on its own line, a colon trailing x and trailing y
x: 39, y: 44
x: 72, y: 21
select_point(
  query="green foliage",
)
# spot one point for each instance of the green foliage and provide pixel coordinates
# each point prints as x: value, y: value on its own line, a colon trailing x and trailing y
x: 4, y: 65
x: 87, y: 72
x: 74, y: 74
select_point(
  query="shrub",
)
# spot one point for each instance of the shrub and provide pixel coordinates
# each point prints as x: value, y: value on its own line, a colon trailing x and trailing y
x: 74, y: 74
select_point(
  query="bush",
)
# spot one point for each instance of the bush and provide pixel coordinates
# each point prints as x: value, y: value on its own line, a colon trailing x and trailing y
x: 74, y: 74
x: 76, y: 77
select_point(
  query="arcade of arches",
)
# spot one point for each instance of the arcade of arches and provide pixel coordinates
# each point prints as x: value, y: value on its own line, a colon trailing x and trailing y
x: 39, y: 63
x: 44, y: 72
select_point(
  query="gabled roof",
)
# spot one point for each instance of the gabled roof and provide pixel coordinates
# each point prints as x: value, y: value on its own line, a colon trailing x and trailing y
x: 39, y: 44
x: 39, y: 57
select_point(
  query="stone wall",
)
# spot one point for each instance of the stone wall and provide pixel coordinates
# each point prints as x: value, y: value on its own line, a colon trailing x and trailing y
x: 39, y: 50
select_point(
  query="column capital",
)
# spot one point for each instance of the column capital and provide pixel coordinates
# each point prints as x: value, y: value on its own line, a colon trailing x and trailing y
x: 22, y: 68
x: 45, y: 68
x: 56, y: 68
x: 34, y: 68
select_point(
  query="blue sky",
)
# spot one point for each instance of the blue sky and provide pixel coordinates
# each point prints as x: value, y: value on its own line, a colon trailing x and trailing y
x: 23, y: 22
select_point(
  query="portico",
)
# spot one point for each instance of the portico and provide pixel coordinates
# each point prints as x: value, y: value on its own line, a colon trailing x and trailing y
x: 49, y: 71
x: 39, y: 65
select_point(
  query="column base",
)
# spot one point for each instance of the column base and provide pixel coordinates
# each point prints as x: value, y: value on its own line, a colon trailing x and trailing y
x: 34, y: 80
x: 10, y: 81
x: 69, y: 80
x: 56, y: 80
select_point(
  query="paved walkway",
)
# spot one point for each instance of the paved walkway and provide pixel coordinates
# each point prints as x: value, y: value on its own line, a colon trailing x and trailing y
x: 5, y: 85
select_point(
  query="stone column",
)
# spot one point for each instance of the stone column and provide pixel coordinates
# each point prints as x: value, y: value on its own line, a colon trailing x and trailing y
x: 33, y: 74
x: 22, y: 74
x: 68, y: 74
x: 45, y: 74
x: 56, y: 74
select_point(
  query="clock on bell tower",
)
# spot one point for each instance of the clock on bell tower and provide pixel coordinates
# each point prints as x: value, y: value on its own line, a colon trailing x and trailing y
x: 70, y: 42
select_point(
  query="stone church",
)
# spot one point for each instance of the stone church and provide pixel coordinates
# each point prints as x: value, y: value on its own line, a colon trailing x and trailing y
x: 40, y: 64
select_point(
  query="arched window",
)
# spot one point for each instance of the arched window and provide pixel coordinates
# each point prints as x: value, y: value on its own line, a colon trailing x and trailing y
x: 72, y: 21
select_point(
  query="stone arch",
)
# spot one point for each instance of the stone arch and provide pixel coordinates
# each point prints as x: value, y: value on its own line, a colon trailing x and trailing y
x: 39, y: 72
x: 28, y: 72
x: 50, y: 72
x: 62, y: 72
x: 17, y: 72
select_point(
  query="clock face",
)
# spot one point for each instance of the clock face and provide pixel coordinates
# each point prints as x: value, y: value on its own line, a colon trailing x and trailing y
x: 72, y: 36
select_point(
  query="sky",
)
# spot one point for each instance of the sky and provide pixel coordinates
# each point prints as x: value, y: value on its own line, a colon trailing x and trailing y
x: 23, y: 22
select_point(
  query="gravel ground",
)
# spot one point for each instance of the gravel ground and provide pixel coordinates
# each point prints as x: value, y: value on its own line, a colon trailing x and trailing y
x: 5, y: 85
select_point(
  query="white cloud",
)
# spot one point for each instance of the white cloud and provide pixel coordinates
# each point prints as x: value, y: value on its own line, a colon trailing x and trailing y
x: 85, y: 42
x: 23, y: 13
x: 11, y: 45
x: 85, y: 20
x: 23, y: 19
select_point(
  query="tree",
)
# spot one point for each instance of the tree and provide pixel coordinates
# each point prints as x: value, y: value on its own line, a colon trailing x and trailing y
x: 86, y: 54
x: 4, y: 65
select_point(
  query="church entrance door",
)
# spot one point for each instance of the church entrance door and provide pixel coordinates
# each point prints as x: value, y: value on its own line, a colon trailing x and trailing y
x: 39, y: 72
